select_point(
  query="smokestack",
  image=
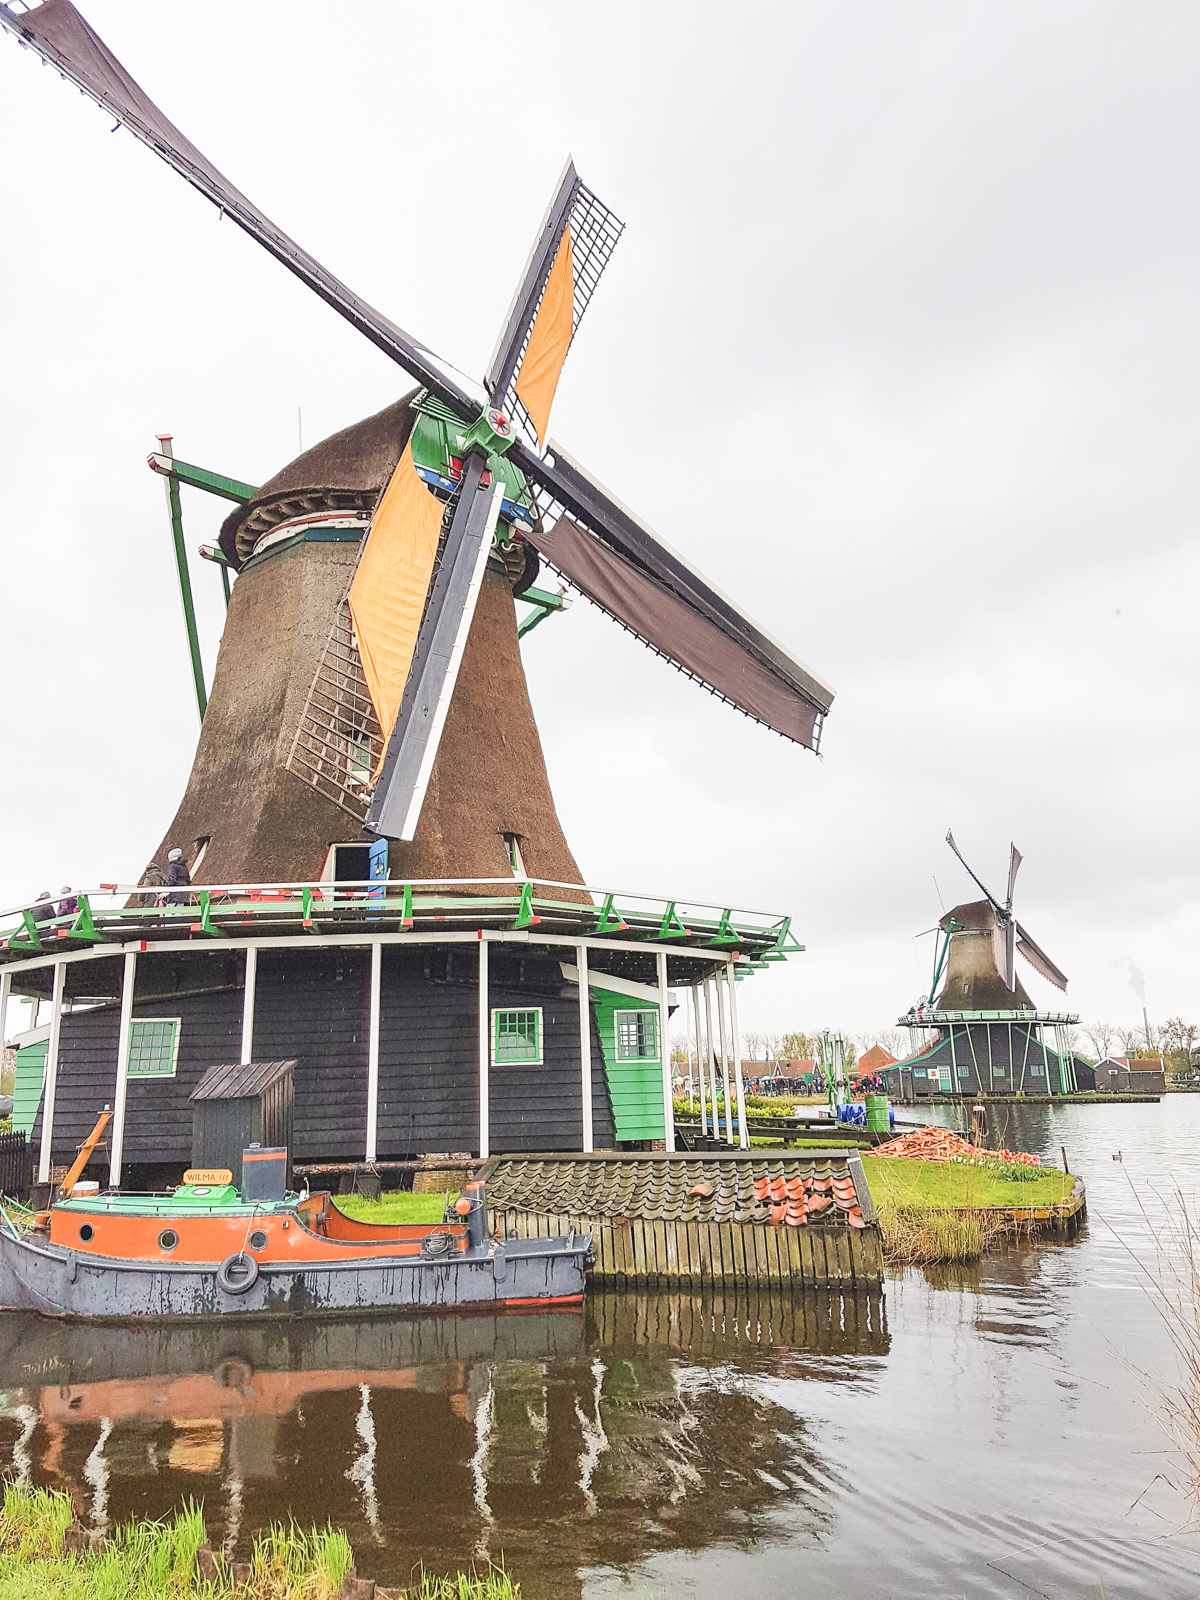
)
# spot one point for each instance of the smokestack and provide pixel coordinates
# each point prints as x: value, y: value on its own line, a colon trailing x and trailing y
x: 1146, y: 1021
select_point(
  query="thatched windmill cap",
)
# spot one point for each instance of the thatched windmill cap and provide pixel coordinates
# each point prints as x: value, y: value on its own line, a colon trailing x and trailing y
x: 344, y: 474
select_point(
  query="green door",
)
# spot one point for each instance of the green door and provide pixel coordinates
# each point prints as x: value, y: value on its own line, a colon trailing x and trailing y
x: 629, y: 1041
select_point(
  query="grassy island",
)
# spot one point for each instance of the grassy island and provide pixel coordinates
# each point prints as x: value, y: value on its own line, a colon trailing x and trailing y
x: 952, y: 1211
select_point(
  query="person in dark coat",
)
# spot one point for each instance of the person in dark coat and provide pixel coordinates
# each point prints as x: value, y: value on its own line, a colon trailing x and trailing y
x: 177, y: 873
x: 43, y: 907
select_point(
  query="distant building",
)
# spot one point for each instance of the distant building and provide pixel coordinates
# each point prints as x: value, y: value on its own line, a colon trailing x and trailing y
x: 1124, y: 1075
x: 877, y: 1059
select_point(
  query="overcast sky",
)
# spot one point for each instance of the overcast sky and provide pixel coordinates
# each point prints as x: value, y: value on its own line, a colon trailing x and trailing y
x: 899, y: 347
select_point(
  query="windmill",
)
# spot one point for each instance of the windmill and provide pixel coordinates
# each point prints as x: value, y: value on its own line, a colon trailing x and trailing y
x: 395, y: 694
x: 1007, y: 939
x: 983, y: 1033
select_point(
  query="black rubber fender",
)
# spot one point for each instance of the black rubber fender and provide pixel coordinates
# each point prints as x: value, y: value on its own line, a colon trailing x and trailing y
x: 246, y: 1268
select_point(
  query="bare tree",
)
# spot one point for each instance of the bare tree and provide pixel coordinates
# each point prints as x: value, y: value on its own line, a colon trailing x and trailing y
x: 755, y: 1043
x: 1135, y: 1043
x: 1101, y: 1035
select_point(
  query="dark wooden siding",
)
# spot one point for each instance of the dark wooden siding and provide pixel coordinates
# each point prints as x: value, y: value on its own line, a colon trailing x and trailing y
x: 158, y: 1117
x: 429, y: 1056
x: 312, y: 1006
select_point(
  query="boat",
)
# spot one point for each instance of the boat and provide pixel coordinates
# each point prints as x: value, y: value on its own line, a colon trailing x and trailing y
x: 213, y: 1249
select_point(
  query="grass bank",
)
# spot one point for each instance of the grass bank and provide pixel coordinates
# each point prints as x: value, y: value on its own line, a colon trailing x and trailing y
x: 167, y: 1561
x: 942, y: 1210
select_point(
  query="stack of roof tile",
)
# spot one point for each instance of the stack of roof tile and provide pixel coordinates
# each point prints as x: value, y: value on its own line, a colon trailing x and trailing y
x: 791, y: 1190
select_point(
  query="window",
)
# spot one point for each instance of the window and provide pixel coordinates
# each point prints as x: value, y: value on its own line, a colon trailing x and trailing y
x: 512, y: 848
x: 358, y: 759
x: 153, y: 1047
x: 637, y: 1035
x: 517, y: 1037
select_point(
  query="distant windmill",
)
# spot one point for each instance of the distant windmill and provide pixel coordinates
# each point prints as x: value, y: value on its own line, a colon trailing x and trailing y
x: 983, y: 1033
x: 370, y: 648
x: 1008, y: 936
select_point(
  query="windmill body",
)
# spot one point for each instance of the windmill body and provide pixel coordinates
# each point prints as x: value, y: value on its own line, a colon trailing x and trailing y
x: 380, y: 888
x: 983, y: 1034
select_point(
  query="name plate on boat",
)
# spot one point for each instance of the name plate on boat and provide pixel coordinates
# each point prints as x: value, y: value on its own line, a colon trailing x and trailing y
x: 214, y: 1176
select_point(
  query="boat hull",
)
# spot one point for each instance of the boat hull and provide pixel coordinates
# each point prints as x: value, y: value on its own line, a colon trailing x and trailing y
x: 36, y: 1275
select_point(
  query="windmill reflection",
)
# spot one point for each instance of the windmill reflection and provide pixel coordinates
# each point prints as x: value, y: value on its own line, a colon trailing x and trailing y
x: 563, y: 1440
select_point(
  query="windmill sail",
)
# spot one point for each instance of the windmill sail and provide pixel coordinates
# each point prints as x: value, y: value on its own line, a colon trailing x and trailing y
x: 950, y: 841
x: 387, y: 597
x: 577, y: 237
x: 600, y: 546
x: 1039, y: 960
x: 63, y: 39
x: 409, y: 757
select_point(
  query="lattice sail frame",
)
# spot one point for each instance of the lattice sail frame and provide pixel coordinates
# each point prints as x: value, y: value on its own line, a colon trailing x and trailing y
x: 338, y: 743
x: 595, y: 231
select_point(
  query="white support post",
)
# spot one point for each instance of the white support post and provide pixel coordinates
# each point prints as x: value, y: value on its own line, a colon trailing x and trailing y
x: 710, y: 1058
x: 485, y: 1050
x: 373, y: 1054
x: 121, y: 1094
x: 724, y: 1060
x: 248, y: 1004
x: 664, y: 1048
x: 5, y: 987
x: 702, y: 1082
x: 56, y: 1010
x: 585, y: 1046
x: 743, y: 1130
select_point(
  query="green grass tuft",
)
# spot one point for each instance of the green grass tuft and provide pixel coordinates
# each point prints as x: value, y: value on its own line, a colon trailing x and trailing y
x: 157, y: 1560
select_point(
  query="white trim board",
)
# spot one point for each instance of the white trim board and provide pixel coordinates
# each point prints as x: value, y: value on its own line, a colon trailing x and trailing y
x: 605, y: 980
x: 30, y: 1036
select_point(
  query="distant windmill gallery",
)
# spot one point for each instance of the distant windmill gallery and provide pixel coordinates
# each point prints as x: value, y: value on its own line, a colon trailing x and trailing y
x: 381, y: 892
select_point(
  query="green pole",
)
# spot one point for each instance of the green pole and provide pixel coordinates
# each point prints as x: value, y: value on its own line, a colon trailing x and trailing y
x: 225, y: 583
x: 185, y: 582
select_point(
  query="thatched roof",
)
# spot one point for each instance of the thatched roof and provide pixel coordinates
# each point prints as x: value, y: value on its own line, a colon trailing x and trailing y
x: 345, y: 472
x: 973, y: 981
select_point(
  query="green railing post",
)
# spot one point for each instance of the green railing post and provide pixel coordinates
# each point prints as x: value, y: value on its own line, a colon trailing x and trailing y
x: 185, y: 582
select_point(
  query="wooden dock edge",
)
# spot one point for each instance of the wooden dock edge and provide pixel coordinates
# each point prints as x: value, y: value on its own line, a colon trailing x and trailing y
x: 632, y: 1252
x: 1064, y: 1218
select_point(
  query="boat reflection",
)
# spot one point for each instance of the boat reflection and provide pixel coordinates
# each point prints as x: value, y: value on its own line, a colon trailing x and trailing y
x: 563, y: 1440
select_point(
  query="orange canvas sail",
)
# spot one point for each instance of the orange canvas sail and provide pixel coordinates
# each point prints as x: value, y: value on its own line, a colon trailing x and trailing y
x: 549, y: 340
x: 387, y: 597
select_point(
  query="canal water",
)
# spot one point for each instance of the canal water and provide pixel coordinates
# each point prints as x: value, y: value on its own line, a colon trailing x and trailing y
x: 992, y: 1431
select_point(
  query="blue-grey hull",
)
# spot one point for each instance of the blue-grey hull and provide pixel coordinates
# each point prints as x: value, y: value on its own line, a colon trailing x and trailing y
x: 38, y: 1276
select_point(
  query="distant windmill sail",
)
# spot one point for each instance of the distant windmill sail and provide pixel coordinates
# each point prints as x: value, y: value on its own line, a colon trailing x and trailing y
x: 388, y: 594
x: 1008, y: 936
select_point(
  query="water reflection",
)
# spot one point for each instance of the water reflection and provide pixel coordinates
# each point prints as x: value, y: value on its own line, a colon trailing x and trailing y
x: 562, y: 1440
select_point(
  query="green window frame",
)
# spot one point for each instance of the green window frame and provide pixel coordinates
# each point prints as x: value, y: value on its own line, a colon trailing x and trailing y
x: 636, y: 1034
x: 517, y: 1037
x: 153, y: 1047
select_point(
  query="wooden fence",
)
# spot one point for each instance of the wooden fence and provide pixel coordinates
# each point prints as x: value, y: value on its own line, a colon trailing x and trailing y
x: 16, y: 1172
